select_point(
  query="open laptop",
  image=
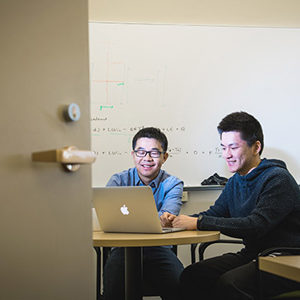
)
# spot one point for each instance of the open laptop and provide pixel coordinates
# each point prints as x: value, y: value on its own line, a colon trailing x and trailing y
x: 128, y: 209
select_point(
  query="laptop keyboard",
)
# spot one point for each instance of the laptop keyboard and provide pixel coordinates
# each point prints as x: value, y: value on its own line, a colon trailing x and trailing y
x: 172, y: 229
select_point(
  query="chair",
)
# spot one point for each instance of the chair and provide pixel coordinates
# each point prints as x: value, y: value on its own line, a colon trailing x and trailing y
x: 278, y: 251
x: 104, y: 253
x: 294, y: 295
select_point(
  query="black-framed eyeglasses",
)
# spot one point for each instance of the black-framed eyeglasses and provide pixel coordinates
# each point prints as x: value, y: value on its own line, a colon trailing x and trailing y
x: 152, y: 153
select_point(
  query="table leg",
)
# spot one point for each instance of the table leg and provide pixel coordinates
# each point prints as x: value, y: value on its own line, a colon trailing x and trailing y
x: 133, y: 273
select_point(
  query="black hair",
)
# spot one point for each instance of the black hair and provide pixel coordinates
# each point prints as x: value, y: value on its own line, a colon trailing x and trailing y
x: 250, y: 129
x: 151, y: 133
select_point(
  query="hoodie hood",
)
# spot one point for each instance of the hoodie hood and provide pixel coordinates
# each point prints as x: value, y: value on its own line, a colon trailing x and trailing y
x: 264, y: 165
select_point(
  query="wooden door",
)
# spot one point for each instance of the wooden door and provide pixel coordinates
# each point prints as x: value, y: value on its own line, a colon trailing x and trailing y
x: 45, y: 213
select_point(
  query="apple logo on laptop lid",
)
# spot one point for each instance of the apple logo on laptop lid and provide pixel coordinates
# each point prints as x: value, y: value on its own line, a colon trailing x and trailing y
x: 124, y: 210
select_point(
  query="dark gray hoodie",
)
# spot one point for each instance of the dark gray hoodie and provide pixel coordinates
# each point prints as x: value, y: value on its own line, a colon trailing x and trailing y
x: 262, y: 208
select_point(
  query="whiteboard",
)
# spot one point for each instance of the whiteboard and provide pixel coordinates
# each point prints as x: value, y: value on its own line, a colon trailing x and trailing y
x: 184, y: 80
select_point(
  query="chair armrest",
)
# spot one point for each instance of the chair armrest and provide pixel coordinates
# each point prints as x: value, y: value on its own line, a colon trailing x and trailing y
x: 276, y: 251
x: 203, y: 246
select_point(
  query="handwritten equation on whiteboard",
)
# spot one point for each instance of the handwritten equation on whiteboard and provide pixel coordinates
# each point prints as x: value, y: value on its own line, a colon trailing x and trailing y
x: 172, y: 133
x: 172, y: 152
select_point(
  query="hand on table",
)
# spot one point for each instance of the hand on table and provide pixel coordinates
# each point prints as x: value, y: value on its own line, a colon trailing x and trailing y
x: 166, y: 219
x: 183, y: 221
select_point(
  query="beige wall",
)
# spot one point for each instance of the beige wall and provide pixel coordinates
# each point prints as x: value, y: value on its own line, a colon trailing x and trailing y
x: 269, y: 13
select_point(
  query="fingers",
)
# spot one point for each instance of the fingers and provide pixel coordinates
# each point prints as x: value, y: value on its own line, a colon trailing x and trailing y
x: 166, y: 219
x: 176, y: 222
x: 170, y: 217
x: 186, y: 222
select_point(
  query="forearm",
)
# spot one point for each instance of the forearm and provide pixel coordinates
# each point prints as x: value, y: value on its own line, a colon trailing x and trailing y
x: 234, y: 227
x: 267, y: 215
x: 172, y: 200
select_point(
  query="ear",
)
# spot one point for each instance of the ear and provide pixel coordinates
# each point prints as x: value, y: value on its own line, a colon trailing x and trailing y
x: 257, y: 147
x: 165, y: 157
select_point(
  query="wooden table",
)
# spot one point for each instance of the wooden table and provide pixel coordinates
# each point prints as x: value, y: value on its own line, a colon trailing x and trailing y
x: 285, y: 266
x: 133, y: 243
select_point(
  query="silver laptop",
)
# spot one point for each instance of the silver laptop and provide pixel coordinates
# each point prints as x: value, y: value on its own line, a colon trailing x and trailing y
x: 128, y: 209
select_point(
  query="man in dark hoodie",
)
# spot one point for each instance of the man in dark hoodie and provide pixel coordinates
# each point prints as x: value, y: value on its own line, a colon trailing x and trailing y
x: 260, y: 204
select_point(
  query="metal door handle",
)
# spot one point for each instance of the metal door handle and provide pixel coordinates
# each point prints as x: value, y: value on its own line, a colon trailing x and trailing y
x: 69, y: 156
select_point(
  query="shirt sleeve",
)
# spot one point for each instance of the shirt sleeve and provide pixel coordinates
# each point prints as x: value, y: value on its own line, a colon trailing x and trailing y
x: 115, y: 180
x: 172, y: 198
x: 274, y: 203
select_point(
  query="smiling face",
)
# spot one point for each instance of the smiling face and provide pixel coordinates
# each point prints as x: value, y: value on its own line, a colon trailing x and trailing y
x: 239, y: 156
x: 148, y: 167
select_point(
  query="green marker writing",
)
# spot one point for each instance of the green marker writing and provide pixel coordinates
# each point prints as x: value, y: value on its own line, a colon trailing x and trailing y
x: 106, y: 106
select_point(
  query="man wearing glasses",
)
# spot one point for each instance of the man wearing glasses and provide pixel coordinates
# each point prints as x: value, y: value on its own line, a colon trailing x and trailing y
x: 161, y: 267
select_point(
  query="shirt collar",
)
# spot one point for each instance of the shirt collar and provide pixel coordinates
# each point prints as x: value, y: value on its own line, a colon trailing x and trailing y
x: 154, y: 183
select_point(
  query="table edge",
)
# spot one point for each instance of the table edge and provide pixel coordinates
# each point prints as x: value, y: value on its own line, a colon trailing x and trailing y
x: 163, y: 240
x: 275, y: 266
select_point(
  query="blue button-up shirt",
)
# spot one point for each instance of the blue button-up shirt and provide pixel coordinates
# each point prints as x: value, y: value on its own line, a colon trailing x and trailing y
x: 166, y: 189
